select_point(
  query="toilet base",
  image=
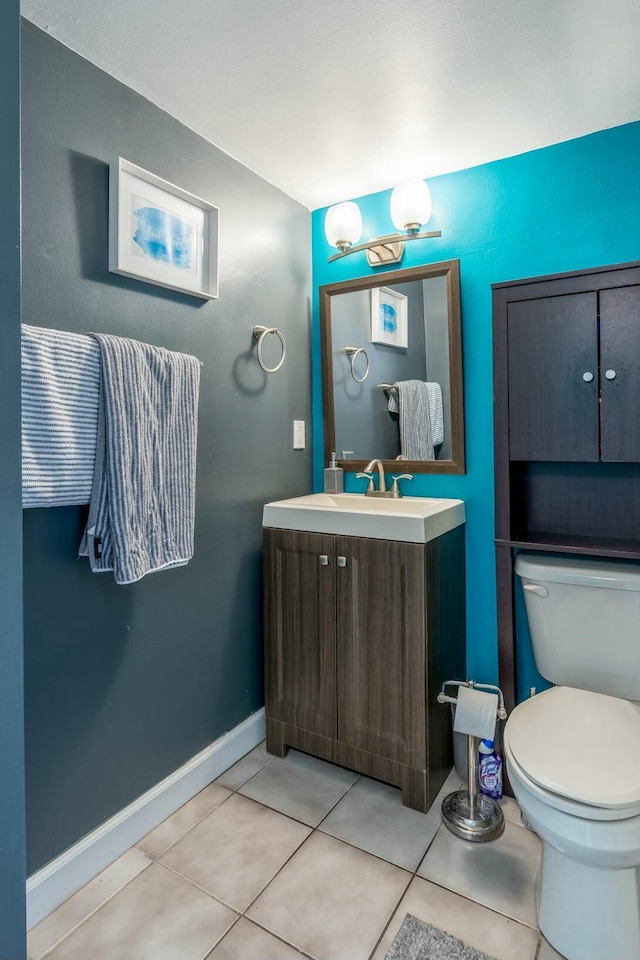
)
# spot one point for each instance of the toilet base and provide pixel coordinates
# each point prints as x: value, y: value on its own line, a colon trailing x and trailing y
x: 588, y: 913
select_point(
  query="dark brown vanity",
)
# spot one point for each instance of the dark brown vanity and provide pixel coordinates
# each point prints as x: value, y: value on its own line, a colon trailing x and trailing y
x: 567, y: 424
x: 359, y: 636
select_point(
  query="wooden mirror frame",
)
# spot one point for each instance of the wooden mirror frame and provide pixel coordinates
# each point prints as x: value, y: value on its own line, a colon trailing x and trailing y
x: 447, y: 268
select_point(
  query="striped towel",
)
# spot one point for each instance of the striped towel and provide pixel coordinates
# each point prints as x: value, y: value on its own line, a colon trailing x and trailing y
x: 142, y: 512
x: 411, y: 400
x: 60, y: 391
x: 434, y: 393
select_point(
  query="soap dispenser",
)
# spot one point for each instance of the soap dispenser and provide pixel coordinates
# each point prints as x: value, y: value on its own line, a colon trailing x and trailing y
x: 333, y: 477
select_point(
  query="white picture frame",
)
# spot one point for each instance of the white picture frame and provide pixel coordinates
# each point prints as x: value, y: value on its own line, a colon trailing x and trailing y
x: 160, y: 233
x: 389, y: 317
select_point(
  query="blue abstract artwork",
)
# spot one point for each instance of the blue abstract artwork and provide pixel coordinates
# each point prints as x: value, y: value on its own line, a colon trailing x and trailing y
x: 388, y: 318
x: 164, y: 236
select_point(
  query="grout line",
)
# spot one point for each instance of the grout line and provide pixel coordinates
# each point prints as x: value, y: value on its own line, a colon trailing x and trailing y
x: 235, y: 789
x: 501, y: 913
x: 99, y: 907
x: 220, y: 939
x: 391, y: 916
x: 278, y: 936
x: 207, y: 813
x: 279, y: 870
x: 196, y: 885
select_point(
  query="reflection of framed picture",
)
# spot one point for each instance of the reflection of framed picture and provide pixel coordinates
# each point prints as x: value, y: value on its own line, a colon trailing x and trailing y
x: 388, y: 317
x: 160, y: 233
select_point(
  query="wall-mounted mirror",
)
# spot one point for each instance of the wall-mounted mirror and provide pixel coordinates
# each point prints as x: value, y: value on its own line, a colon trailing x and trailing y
x: 392, y: 370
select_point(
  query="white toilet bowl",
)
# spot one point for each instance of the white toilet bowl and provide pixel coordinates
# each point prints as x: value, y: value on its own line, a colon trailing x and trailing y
x: 572, y: 761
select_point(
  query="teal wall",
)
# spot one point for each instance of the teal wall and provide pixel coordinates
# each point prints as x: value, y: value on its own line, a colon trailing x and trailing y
x: 571, y: 206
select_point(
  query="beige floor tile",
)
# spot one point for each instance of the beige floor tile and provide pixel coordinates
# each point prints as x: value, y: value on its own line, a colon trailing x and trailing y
x: 331, y: 900
x: 371, y: 816
x: 453, y: 782
x: 67, y: 916
x: 479, y: 927
x: 511, y: 810
x: 245, y: 768
x: 246, y: 941
x: 171, y: 829
x: 212, y: 796
x: 500, y: 874
x: 236, y: 850
x: 547, y: 952
x: 157, y: 916
x: 300, y: 786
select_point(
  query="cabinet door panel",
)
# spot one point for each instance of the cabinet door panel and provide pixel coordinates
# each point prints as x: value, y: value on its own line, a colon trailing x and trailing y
x: 381, y: 643
x: 553, y: 411
x: 620, y: 352
x: 300, y: 633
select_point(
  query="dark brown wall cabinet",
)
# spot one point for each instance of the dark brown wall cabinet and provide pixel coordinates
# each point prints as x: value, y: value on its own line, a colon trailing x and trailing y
x: 567, y: 424
x: 359, y: 636
x: 574, y: 361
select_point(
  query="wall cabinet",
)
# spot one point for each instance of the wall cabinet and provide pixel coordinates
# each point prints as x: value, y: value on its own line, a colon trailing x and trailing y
x: 359, y: 636
x: 574, y: 361
x: 567, y: 433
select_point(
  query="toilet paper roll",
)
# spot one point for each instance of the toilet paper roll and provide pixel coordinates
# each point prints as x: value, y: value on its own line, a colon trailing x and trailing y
x: 476, y: 713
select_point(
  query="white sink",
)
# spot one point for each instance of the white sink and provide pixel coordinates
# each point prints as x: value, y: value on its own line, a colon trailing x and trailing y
x: 412, y: 519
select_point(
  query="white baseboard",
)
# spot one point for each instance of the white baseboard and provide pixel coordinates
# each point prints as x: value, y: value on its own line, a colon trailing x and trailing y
x: 62, y: 877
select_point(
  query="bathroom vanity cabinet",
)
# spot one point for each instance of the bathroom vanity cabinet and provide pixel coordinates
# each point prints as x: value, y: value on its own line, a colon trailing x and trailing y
x: 566, y: 425
x: 359, y: 636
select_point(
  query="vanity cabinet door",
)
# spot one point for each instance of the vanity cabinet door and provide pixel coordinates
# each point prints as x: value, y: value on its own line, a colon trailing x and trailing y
x: 381, y: 647
x: 553, y: 378
x: 620, y: 374
x: 300, y: 630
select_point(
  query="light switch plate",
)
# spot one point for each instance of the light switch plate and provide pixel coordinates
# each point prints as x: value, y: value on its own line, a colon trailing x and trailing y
x: 298, y: 435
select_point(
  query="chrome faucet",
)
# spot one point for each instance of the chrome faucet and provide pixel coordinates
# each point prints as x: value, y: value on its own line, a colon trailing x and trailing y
x: 382, y: 491
x: 382, y: 483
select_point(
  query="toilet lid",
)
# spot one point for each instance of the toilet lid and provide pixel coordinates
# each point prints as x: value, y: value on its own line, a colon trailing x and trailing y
x: 581, y: 745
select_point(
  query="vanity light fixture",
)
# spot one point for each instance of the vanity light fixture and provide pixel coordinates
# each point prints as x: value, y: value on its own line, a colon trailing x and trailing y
x: 410, y: 208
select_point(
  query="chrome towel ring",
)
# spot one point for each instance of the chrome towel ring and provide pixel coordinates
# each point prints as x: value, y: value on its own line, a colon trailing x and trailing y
x: 260, y: 333
x: 352, y: 353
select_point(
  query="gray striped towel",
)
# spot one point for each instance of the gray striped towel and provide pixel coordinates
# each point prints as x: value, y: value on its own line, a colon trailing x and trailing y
x: 410, y: 400
x: 60, y: 392
x: 142, y: 511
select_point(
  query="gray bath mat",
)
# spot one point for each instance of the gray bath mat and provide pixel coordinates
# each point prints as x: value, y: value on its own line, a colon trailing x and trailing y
x: 416, y: 940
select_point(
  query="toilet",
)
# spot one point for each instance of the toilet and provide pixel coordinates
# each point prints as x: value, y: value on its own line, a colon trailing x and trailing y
x: 573, y: 752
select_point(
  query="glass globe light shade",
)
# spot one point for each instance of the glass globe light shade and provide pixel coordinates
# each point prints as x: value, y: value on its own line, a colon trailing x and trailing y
x: 410, y: 205
x: 343, y: 224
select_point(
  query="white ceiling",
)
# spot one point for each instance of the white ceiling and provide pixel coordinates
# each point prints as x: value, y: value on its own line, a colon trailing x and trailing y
x: 331, y: 99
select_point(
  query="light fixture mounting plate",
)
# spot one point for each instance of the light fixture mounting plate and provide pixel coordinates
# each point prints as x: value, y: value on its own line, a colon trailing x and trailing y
x: 387, y: 251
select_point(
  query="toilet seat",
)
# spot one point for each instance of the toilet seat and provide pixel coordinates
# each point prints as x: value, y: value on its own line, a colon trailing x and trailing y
x: 581, y: 748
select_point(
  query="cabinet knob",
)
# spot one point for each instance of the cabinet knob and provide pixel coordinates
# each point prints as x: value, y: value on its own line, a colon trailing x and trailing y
x: 342, y: 561
x: 587, y: 377
x: 610, y: 374
x: 324, y: 560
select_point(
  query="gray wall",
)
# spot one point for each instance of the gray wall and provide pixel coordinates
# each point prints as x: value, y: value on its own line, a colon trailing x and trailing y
x: 124, y: 684
x: 12, y: 835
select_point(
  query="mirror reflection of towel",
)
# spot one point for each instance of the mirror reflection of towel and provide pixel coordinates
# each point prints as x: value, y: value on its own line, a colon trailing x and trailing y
x: 419, y: 406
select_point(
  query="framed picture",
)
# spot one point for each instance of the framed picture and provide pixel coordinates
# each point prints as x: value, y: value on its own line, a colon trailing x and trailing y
x: 388, y: 317
x: 160, y: 233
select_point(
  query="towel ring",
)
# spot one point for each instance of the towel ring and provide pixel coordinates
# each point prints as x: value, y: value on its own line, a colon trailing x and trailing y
x: 260, y: 333
x: 352, y: 353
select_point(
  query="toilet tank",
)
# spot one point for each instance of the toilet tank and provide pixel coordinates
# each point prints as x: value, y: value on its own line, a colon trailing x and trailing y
x: 584, y: 619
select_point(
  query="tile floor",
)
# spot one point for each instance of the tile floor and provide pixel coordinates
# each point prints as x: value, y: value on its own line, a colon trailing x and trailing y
x: 282, y: 859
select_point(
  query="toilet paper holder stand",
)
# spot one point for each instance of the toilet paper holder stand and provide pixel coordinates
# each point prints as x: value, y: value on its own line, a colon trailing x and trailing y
x: 468, y: 813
